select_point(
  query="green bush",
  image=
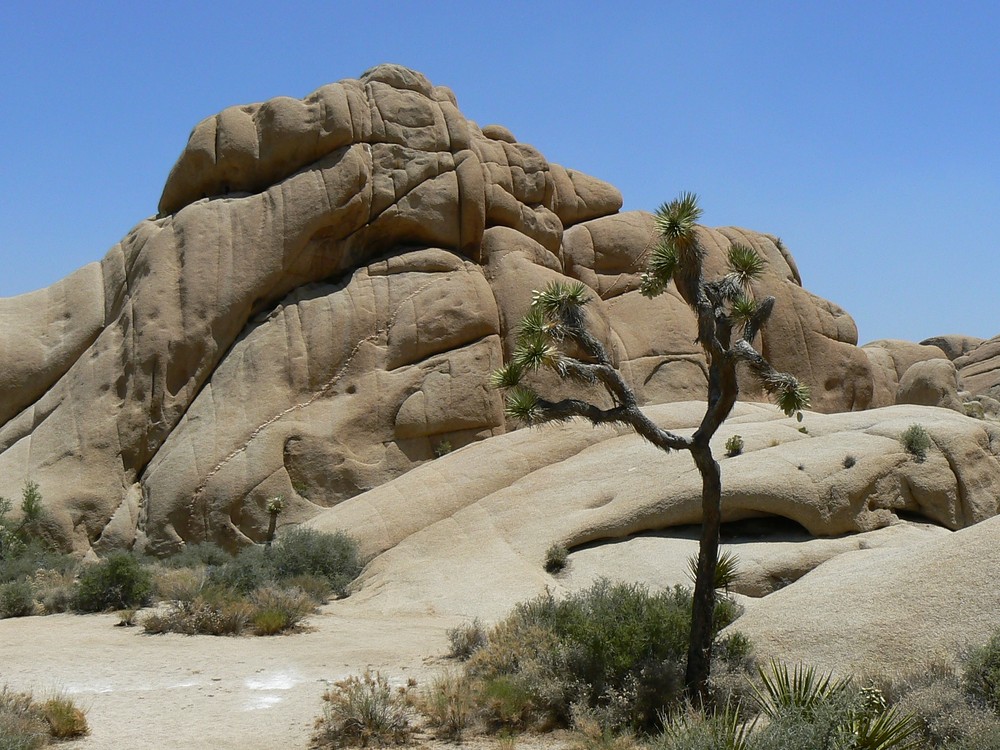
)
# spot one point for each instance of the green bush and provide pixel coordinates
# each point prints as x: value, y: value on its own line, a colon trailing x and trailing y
x: 28, y: 558
x: 216, y: 612
x: 16, y: 599
x: 251, y: 569
x: 734, y: 445
x: 916, y: 440
x: 198, y: 555
x: 22, y: 724
x: 119, y: 581
x: 466, y: 639
x: 615, y: 649
x: 277, y: 610
x: 303, y: 551
x: 556, y: 558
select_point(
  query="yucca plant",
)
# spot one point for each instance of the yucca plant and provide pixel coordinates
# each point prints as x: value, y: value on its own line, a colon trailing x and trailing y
x: 802, y: 688
x: 727, y: 570
x: 555, y: 336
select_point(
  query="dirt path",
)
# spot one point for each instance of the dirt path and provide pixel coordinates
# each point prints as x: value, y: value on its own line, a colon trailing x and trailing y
x: 171, y: 691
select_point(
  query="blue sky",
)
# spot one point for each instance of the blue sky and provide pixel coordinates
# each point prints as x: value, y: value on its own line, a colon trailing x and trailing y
x: 865, y: 134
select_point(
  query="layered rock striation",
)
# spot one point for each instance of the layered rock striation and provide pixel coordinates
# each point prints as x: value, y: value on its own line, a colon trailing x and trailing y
x: 316, y: 310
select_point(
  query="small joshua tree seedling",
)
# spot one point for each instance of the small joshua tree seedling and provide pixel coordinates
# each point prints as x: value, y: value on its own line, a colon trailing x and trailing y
x: 728, y: 318
x: 274, y: 507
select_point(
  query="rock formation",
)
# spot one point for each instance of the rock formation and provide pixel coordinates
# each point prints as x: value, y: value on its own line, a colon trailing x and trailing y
x: 316, y: 310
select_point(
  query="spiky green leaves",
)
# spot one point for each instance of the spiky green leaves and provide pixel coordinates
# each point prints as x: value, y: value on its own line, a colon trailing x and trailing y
x: 791, y: 397
x: 659, y: 270
x: 521, y: 404
x: 677, y: 219
x: 559, y: 297
x: 742, y: 311
x: 745, y: 265
x: 536, y: 351
x: 507, y: 376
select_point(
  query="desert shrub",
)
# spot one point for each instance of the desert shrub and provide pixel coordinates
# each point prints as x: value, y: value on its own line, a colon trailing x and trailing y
x: 277, y: 610
x: 363, y: 710
x: 211, y: 613
x: 807, y: 710
x: 916, y: 440
x: 695, y: 730
x: 849, y: 461
x: 202, y: 554
x: 26, y: 724
x: 249, y: 570
x: 315, y: 587
x: 55, y: 591
x: 509, y: 701
x: 64, y: 718
x: 449, y: 704
x: 615, y: 649
x: 590, y: 734
x: 556, y: 558
x: 303, y: 551
x: 178, y: 584
x: 119, y: 581
x: 299, y: 552
x: 734, y: 445
x: 22, y: 725
x: 466, y: 639
x: 30, y: 557
x: 16, y: 599
x: 981, y: 679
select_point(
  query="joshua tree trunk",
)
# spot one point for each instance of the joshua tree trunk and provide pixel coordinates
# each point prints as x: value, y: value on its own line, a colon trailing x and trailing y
x: 703, y: 605
x: 722, y: 306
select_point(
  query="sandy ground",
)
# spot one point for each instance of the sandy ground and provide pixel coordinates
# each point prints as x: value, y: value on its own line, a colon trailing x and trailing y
x: 172, y: 691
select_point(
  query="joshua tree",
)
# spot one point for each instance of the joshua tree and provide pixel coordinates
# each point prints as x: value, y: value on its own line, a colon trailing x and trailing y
x: 556, y: 325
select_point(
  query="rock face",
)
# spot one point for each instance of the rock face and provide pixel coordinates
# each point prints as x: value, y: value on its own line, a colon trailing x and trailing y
x: 318, y: 306
x: 491, y: 510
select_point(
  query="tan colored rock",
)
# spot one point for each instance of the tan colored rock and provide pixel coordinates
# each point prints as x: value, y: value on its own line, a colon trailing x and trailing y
x: 933, y: 382
x: 954, y: 345
x: 887, y: 609
x: 979, y: 370
x: 890, y: 359
x: 366, y: 237
x: 437, y: 532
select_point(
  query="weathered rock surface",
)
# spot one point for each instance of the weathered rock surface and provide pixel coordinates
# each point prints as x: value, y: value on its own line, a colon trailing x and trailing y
x: 316, y: 310
x: 979, y: 368
x: 933, y: 382
x: 491, y: 510
x: 885, y: 609
x: 954, y: 345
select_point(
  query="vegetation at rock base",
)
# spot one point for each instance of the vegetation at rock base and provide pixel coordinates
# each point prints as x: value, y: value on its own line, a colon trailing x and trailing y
x: 201, y: 590
x: 555, y: 335
x: 606, y: 664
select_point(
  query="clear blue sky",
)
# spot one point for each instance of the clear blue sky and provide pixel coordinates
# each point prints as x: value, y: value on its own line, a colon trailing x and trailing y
x: 865, y: 134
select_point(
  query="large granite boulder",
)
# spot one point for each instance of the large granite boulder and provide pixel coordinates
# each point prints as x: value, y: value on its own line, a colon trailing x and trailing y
x: 316, y: 310
x: 491, y: 510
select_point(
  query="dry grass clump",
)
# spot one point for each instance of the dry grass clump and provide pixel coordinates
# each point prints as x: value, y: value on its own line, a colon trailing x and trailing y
x: 450, y: 705
x: 26, y: 724
x: 364, y: 711
x: 219, y: 611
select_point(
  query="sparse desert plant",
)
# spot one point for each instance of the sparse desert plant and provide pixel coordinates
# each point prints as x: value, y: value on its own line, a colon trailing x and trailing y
x: 119, y: 581
x: 466, y: 639
x: 315, y: 587
x: 55, y: 591
x: 734, y: 445
x: 849, y: 461
x: 202, y: 554
x: 981, y: 678
x: 276, y: 610
x: 22, y: 724
x: 691, y: 729
x: 556, y: 558
x: 213, y: 612
x: 302, y: 551
x: 802, y: 689
x: 727, y: 570
x: 442, y: 449
x: 65, y: 719
x: 916, y: 440
x: 251, y: 569
x: 16, y: 599
x: 449, y: 704
x: 363, y: 710
x: 29, y: 557
x: 589, y: 733
x: 182, y: 584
